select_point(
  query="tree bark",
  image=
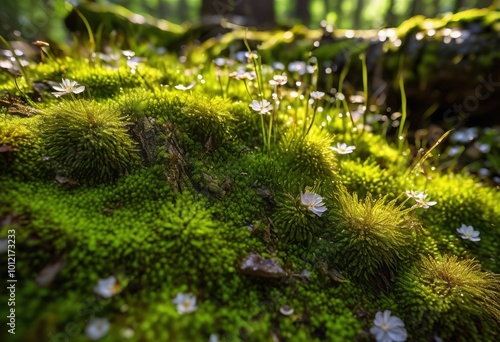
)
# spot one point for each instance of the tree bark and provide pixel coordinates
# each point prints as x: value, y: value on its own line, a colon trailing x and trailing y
x: 338, y: 11
x: 257, y: 13
x: 358, y: 13
x: 458, y: 5
x: 302, y: 11
x: 390, y: 17
x: 182, y: 9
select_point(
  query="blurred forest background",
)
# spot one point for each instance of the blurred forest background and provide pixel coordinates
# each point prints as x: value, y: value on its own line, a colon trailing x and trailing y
x: 43, y: 19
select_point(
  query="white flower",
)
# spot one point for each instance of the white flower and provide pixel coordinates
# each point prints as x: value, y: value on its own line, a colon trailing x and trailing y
x: 213, y: 338
x: 127, y: 333
x: 243, y: 75
x: 314, y: 202
x: 67, y: 87
x: 413, y: 193
x: 342, y: 148
x: 97, y: 328
x: 286, y: 310
x: 107, y: 287
x: 278, y: 80
x: 184, y: 88
x: 263, y: 107
x: 421, y: 202
x: 4, y: 246
x: 388, y: 328
x: 468, y: 233
x: 186, y: 303
x: 317, y: 95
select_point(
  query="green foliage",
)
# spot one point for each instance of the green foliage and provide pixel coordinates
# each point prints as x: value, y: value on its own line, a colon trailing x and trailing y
x: 23, y: 155
x: 194, y: 242
x: 367, y: 177
x: 103, y: 82
x: 13, y: 131
x: 207, y: 117
x: 294, y: 221
x: 371, y: 236
x: 451, y: 297
x: 461, y: 200
x: 88, y: 141
x: 309, y: 158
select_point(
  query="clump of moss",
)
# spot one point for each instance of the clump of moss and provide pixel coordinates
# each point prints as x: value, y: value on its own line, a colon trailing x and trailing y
x: 194, y: 242
x: 88, y: 141
x: 309, y: 158
x: 367, y: 177
x: 452, y: 296
x: 208, y: 118
x: 105, y: 82
x: 21, y: 152
x: 372, y: 235
x: 293, y: 220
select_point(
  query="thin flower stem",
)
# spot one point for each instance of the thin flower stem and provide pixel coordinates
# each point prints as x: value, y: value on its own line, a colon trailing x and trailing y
x: 403, y: 106
x: 263, y: 131
x: 365, y: 89
x: 313, y: 117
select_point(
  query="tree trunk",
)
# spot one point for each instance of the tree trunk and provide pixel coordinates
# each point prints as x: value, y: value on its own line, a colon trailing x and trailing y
x: 258, y: 13
x: 415, y: 8
x: 358, y: 13
x: 338, y: 11
x: 327, y: 6
x: 302, y: 11
x: 458, y: 5
x: 390, y: 17
x: 163, y: 9
x: 436, y: 8
x: 182, y: 9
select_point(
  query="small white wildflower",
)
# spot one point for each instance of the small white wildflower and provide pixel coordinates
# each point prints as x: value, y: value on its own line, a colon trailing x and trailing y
x: 278, y: 80
x: 107, y: 287
x: 250, y: 56
x: 421, y: 202
x: 67, y: 87
x: 97, y: 328
x: 127, y: 333
x: 184, y: 88
x: 317, y: 95
x: 4, y: 245
x: 286, y: 310
x: 213, y: 338
x: 243, y: 75
x: 186, y: 303
x: 314, y: 202
x: 388, y: 328
x: 413, y: 193
x: 468, y: 233
x: 263, y: 107
x: 342, y: 148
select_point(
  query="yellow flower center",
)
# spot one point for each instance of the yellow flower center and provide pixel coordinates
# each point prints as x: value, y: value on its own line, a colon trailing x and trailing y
x: 186, y: 303
x: 115, y: 288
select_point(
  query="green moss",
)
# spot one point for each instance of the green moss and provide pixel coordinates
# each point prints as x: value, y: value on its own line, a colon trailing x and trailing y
x: 309, y: 159
x: 452, y: 298
x: 88, y: 141
x: 294, y: 221
x: 371, y: 236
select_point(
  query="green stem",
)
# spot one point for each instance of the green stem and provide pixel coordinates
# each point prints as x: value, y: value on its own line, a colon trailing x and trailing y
x: 365, y: 89
x: 314, y: 116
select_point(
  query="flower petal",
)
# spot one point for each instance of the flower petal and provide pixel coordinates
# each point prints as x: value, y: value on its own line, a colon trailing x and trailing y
x: 398, y: 334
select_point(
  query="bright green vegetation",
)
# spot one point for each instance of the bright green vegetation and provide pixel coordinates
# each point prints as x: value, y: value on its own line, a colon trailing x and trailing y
x: 170, y: 190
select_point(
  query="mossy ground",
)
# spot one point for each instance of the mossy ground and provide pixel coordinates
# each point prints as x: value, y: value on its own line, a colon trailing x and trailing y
x: 202, y: 191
